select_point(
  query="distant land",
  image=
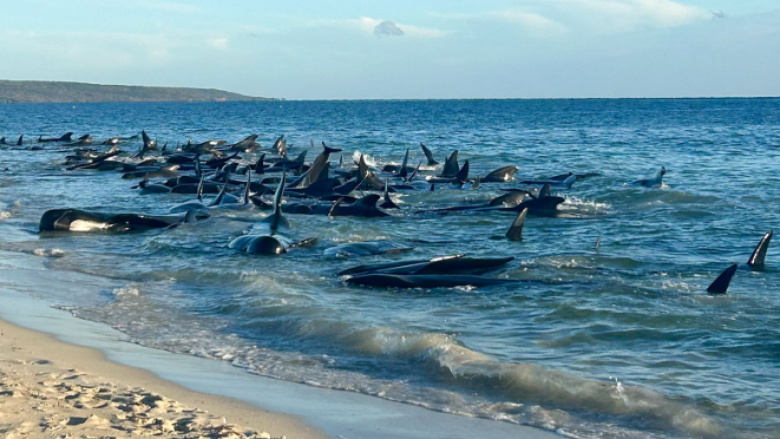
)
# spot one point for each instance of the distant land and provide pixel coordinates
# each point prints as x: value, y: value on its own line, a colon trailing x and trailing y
x: 12, y: 92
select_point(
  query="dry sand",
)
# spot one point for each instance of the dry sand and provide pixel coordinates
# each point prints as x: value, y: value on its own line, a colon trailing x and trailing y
x: 51, y: 389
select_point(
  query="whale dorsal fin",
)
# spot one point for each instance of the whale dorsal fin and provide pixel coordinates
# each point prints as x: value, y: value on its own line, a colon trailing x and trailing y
x: 515, y: 232
x: 545, y: 191
x: 759, y: 254
x: 388, y: 202
x: 403, y: 172
x: 200, y: 187
x: 721, y: 284
x: 248, y: 185
x: 463, y: 173
x: 451, y: 167
x: 260, y: 166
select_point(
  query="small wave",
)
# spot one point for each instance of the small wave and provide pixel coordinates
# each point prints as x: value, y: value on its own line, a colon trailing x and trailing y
x: 51, y: 253
x: 128, y: 291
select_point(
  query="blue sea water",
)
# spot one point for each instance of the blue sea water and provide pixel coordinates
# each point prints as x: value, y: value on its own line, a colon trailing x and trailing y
x: 619, y: 342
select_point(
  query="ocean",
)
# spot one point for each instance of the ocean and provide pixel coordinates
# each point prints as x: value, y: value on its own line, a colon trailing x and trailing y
x: 622, y: 341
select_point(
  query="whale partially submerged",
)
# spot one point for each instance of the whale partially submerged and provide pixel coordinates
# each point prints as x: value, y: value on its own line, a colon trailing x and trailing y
x: 76, y: 220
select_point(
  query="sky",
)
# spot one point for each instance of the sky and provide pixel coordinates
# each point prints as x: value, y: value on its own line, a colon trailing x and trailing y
x: 402, y: 49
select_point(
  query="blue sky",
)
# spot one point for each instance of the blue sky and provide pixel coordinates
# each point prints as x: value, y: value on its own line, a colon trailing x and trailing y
x: 403, y: 49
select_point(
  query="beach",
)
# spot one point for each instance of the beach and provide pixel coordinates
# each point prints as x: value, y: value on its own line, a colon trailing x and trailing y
x: 49, y: 388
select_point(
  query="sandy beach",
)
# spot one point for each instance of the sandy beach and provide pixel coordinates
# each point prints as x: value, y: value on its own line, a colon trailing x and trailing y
x: 49, y: 388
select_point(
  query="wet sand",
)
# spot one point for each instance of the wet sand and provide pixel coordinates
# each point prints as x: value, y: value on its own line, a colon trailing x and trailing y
x: 49, y: 388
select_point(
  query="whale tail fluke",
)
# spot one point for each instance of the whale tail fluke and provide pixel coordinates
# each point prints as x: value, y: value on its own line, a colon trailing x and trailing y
x: 759, y: 254
x: 428, y: 155
x: 721, y: 284
x: 328, y: 150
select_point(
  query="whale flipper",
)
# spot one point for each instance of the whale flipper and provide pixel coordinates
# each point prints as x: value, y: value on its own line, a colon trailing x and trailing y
x: 759, y: 254
x: 721, y: 284
x: 428, y: 155
x: 515, y: 232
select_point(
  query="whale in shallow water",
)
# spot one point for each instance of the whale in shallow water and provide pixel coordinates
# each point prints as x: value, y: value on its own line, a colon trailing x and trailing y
x: 656, y: 181
x: 364, y: 207
x: 500, y: 175
x: 268, y: 236
x: 76, y: 220
x: 566, y: 180
x: 366, y: 248
x: 67, y: 137
x: 451, y: 264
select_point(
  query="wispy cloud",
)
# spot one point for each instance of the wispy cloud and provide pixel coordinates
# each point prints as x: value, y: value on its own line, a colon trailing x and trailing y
x: 164, y: 6
x: 547, y: 18
x: 631, y: 14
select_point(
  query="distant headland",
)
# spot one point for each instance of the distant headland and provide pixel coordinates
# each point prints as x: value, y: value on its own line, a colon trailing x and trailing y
x: 75, y: 92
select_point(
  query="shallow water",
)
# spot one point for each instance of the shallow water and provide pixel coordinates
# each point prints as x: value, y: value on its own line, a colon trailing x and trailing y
x: 619, y: 342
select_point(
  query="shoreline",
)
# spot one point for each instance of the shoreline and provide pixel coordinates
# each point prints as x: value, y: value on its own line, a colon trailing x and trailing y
x: 288, y: 408
x: 27, y: 355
